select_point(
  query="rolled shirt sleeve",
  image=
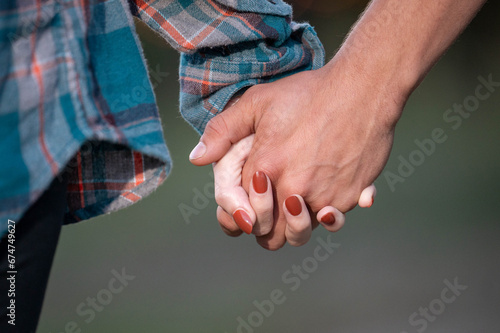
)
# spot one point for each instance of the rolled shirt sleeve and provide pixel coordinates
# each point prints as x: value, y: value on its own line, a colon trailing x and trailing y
x: 229, y: 45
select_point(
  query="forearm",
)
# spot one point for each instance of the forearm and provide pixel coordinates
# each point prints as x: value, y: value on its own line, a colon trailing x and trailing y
x: 395, y: 42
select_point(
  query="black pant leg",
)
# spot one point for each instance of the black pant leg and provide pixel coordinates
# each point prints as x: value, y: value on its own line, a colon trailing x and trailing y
x: 36, y: 237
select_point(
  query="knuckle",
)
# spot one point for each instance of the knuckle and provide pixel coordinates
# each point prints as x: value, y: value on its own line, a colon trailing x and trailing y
x: 343, y: 200
x: 349, y: 202
x: 297, y: 243
x: 254, y: 93
x: 262, y: 230
x: 301, y: 228
x: 263, y: 207
x: 287, y: 189
x: 223, y: 198
x: 266, y: 164
x: 227, y: 225
x: 259, y: 232
x: 271, y: 244
x: 216, y: 126
x: 255, y: 97
x: 231, y: 233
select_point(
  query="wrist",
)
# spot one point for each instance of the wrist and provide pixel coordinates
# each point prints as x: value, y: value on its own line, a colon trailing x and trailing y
x: 382, y: 86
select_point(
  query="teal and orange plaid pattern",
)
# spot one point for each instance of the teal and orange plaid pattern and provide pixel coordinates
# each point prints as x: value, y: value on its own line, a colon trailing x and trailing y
x: 75, y: 96
x: 229, y: 45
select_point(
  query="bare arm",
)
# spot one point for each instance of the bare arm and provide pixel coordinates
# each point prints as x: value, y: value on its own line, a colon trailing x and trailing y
x: 396, y: 42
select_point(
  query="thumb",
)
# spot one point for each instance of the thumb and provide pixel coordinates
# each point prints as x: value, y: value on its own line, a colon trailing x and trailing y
x: 228, y: 127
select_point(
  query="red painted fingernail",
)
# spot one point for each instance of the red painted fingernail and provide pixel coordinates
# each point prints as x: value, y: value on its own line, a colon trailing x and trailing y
x: 373, y: 200
x: 260, y: 182
x: 243, y: 221
x: 328, y: 218
x: 293, y: 205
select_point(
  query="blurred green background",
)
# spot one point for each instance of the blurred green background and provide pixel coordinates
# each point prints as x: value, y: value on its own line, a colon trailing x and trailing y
x: 442, y: 222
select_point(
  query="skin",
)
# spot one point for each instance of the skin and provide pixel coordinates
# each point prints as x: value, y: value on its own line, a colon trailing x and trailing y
x: 230, y: 196
x: 327, y: 134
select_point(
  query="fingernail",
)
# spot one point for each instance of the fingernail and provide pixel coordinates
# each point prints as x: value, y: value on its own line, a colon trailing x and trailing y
x: 260, y: 182
x: 328, y: 218
x: 243, y: 221
x: 373, y: 200
x: 293, y: 205
x: 198, y: 151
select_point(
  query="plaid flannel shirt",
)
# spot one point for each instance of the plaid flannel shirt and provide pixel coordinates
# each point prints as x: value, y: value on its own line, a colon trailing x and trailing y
x: 75, y: 96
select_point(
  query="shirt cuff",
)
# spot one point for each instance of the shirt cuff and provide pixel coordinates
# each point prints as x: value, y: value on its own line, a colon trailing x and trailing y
x: 209, y: 78
x: 229, y: 45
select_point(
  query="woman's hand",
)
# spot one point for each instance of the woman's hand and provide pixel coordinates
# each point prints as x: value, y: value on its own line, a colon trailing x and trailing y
x: 253, y: 212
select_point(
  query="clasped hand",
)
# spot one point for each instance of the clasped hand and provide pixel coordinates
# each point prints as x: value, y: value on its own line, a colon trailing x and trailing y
x: 297, y: 152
